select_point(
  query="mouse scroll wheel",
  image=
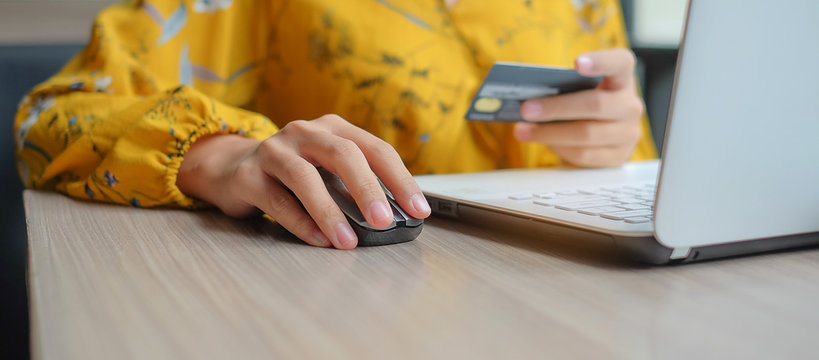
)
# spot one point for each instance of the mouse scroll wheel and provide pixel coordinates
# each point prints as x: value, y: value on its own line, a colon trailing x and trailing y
x: 398, y: 215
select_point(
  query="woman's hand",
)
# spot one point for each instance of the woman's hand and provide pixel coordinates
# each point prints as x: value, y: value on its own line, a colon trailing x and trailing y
x: 607, y: 119
x: 240, y: 175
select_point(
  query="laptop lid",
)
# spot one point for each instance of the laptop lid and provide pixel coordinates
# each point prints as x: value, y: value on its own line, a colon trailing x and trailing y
x: 741, y: 157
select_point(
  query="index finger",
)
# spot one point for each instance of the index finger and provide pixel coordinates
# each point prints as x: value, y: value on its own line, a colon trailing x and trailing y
x: 387, y: 164
x: 617, y: 65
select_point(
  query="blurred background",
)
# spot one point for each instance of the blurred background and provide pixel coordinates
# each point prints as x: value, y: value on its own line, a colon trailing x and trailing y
x: 38, y: 36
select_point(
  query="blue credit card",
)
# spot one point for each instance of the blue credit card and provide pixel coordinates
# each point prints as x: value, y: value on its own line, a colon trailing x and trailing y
x: 508, y: 85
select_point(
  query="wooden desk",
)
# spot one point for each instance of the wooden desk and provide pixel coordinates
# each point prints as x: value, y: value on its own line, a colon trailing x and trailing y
x: 110, y: 282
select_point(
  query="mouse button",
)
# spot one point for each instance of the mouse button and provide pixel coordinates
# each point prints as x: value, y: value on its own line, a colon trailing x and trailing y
x: 347, y: 206
x: 332, y: 181
x: 386, y: 191
x: 413, y: 222
x: 341, y: 196
x: 401, y: 217
x: 398, y: 214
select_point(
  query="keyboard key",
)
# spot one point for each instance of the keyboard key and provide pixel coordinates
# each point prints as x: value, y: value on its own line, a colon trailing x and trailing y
x: 626, y: 214
x: 627, y: 200
x: 646, y: 197
x: 585, y: 204
x: 589, y: 191
x: 569, y: 199
x: 634, y: 207
x: 638, y: 220
x: 520, y: 196
x: 600, y: 210
x: 546, y: 195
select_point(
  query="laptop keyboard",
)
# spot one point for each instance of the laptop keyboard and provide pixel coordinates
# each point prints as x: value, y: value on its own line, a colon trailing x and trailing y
x: 632, y: 203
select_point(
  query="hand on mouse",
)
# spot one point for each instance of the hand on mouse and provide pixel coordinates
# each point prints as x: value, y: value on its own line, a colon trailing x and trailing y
x: 607, y: 126
x: 240, y: 175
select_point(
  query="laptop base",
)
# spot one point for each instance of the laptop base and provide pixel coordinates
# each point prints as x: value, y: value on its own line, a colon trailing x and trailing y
x: 644, y: 249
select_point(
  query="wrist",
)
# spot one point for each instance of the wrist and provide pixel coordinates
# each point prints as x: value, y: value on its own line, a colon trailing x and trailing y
x: 205, y: 165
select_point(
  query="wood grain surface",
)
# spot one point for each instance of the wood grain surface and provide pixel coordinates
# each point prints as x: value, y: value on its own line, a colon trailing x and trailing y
x: 110, y: 282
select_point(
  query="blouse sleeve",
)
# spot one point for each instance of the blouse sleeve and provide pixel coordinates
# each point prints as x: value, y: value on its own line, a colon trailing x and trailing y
x: 116, y: 122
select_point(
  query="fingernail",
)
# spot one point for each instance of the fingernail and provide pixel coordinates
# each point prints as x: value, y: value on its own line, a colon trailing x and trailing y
x: 419, y: 202
x: 319, y: 239
x: 523, y: 132
x: 531, y: 110
x: 380, y: 213
x: 345, y: 236
x: 584, y: 64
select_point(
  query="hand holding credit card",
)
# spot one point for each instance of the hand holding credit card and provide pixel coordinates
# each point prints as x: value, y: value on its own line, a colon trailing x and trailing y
x: 508, y: 85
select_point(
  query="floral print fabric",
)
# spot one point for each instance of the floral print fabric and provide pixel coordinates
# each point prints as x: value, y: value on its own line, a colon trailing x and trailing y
x: 115, y: 123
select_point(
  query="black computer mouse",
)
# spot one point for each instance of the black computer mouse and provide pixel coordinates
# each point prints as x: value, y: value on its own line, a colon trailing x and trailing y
x: 403, y: 228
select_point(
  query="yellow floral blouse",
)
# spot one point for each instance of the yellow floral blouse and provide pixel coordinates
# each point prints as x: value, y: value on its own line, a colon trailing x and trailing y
x: 115, y: 123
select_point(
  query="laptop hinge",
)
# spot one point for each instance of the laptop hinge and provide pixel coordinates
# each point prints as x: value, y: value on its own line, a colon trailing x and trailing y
x: 680, y: 253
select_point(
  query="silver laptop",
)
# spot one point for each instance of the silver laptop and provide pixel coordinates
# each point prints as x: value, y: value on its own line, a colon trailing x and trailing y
x: 740, y: 167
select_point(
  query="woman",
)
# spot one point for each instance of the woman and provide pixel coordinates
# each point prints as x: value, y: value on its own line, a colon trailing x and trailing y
x: 178, y: 100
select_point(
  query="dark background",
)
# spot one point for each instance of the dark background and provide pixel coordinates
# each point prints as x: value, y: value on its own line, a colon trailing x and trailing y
x: 22, y: 67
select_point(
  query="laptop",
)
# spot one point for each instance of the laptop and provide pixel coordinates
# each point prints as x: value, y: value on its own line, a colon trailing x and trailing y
x: 740, y: 167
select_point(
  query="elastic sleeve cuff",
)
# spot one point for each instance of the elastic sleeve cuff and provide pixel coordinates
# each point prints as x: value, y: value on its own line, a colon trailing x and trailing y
x: 220, y: 119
